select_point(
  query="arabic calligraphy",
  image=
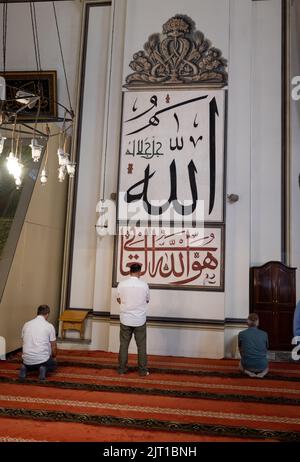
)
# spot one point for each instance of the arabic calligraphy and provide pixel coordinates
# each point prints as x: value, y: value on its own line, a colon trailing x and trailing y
x: 178, y: 207
x: 144, y: 148
x: 180, y: 258
x: 172, y: 174
x: 164, y: 141
x: 154, y: 120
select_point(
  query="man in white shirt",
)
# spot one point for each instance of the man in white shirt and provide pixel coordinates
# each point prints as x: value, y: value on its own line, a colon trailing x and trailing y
x: 133, y: 296
x: 39, y: 345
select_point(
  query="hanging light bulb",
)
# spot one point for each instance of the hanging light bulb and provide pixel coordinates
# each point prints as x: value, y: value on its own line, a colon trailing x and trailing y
x: 18, y: 182
x: 17, y: 170
x: 2, y: 141
x: 61, y: 173
x: 36, y: 150
x: 12, y: 160
x: 63, y: 158
x: 71, y: 169
x: 18, y: 167
x: 43, y: 177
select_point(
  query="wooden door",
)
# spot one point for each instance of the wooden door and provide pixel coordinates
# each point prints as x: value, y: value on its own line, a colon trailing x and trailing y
x: 285, y: 303
x: 273, y: 298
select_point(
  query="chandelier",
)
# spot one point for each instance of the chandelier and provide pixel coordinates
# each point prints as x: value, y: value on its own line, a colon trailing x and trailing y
x: 35, y: 128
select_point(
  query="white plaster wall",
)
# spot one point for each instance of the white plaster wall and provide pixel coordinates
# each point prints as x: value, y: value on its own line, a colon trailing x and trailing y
x: 237, y: 254
x: 181, y: 304
x: 85, y: 264
x: 164, y: 303
x: 254, y: 146
x: 266, y: 133
x: 239, y: 28
x: 295, y: 147
x: 254, y: 151
x: 100, y: 335
x: 231, y: 341
x: 143, y: 19
x: 110, y: 155
x: 90, y: 150
x: 172, y: 341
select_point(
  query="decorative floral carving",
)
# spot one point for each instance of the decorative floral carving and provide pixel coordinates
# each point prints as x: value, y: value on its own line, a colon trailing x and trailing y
x: 178, y: 56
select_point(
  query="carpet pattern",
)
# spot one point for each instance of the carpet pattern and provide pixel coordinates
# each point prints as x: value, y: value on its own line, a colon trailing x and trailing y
x: 183, y: 399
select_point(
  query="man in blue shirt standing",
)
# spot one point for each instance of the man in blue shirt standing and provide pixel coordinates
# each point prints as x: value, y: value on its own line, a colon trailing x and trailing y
x: 253, y: 346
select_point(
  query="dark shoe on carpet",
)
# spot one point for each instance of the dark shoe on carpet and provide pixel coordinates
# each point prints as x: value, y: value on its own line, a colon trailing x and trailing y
x: 122, y: 371
x: 144, y: 373
x: 42, y: 374
x: 22, y: 373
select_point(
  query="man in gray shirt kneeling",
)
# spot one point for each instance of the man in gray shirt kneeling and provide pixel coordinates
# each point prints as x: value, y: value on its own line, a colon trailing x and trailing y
x: 253, y: 346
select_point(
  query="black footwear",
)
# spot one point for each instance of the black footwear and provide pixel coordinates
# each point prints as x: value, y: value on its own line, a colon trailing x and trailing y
x: 42, y: 374
x: 22, y: 373
x: 144, y: 373
x: 122, y: 372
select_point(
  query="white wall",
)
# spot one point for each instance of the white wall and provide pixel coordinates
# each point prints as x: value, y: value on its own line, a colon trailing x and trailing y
x: 237, y: 249
x: 91, y: 132
x: 163, y: 340
x: 295, y: 144
x: 109, y: 170
x: 266, y: 133
x: 254, y: 150
x: 248, y: 33
x: 151, y: 16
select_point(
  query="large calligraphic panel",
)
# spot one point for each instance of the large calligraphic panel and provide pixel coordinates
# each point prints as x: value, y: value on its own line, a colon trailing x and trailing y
x: 172, y: 156
x: 184, y: 258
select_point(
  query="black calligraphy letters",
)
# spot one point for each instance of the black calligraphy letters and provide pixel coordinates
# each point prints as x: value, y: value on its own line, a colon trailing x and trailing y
x: 154, y: 120
x: 213, y: 111
x: 178, y: 207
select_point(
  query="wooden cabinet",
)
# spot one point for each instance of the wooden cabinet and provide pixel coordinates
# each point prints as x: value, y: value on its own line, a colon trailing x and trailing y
x: 273, y: 298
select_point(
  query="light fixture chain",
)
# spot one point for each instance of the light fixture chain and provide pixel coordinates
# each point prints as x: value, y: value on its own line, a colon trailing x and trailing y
x: 37, y: 116
x: 4, y: 30
x: 35, y: 38
x: 62, y: 56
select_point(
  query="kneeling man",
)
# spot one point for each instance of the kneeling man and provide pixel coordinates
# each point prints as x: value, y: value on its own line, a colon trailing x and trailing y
x: 39, y: 345
x: 253, y: 346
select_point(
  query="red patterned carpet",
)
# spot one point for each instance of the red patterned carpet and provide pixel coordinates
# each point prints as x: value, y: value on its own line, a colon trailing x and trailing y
x: 183, y: 400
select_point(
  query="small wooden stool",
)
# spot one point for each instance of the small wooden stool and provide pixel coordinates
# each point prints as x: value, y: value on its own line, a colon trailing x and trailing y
x: 73, y: 319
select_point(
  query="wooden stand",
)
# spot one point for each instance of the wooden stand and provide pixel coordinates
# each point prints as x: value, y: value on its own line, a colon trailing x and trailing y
x: 73, y: 319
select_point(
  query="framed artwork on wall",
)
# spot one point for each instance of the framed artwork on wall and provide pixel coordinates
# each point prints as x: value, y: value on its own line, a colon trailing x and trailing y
x: 172, y: 155
x: 170, y: 211
x: 173, y: 258
x: 42, y: 83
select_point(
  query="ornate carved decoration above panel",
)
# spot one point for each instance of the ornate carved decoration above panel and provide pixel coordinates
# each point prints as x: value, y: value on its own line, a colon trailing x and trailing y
x: 180, y: 55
